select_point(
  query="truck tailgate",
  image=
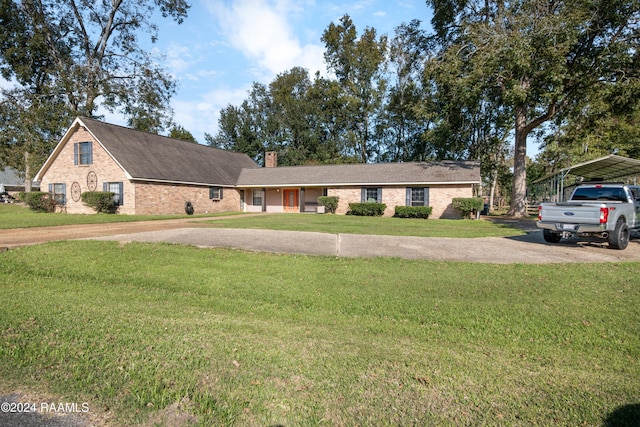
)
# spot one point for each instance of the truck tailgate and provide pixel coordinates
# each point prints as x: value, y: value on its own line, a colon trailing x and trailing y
x: 572, y: 213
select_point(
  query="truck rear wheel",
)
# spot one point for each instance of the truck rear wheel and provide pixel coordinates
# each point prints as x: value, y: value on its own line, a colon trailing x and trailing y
x: 550, y: 236
x: 619, y: 238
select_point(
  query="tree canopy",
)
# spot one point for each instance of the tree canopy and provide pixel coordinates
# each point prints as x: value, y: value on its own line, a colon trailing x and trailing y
x: 538, y: 59
x: 69, y: 58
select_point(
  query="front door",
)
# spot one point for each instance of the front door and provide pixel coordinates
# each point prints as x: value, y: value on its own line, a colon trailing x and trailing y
x: 290, y: 200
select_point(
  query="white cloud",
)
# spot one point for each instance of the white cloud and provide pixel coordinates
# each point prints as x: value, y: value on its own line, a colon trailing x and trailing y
x: 201, y: 115
x: 263, y: 31
x: 178, y: 58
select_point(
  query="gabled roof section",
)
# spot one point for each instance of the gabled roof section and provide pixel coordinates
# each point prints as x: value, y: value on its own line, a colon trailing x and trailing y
x: 439, y: 172
x: 149, y: 157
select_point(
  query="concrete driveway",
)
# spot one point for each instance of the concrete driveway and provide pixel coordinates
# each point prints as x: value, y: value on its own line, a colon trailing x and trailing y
x: 529, y: 248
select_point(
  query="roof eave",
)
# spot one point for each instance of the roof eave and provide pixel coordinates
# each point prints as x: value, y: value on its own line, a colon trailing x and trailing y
x: 168, y: 181
x: 47, y: 164
x: 357, y: 184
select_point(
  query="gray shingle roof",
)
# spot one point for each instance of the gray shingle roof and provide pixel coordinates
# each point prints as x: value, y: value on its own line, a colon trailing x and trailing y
x: 10, y: 177
x: 364, y: 174
x: 147, y: 156
x: 150, y: 157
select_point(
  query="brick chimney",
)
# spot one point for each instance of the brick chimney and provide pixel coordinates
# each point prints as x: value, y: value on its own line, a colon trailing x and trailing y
x: 270, y: 159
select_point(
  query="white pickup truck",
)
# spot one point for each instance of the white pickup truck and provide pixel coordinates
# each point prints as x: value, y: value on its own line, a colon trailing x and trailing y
x: 604, y: 210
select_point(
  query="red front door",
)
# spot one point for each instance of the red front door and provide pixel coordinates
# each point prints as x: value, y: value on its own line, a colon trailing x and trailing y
x: 290, y: 200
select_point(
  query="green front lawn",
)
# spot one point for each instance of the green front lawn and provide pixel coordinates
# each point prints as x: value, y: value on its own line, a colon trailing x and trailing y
x: 20, y: 216
x: 369, y: 225
x: 251, y: 339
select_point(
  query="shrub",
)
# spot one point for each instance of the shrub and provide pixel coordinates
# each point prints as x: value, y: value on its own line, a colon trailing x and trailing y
x: 467, y: 206
x: 100, y: 201
x: 39, y: 201
x: 330, y: 203
x: 413, y: 211
x: 366, y: 209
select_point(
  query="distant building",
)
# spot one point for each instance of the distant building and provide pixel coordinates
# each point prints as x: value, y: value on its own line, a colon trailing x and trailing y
x: 12, y: 181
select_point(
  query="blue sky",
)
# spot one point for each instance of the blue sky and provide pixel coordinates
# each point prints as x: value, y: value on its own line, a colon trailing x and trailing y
x: 225, y: 45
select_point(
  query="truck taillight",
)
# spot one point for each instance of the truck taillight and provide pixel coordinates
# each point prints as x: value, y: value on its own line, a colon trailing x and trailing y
x: 539, y: 213
x: 604, y: 215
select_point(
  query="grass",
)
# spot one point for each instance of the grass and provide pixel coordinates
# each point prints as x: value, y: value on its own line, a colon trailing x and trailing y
x: 236, y: 338
x: 20, y: 216
x: 369, y: 225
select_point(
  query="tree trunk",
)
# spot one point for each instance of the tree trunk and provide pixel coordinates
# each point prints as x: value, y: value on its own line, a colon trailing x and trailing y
x: 492, y: 193
x: 518, y: 207
x: 27, y: 173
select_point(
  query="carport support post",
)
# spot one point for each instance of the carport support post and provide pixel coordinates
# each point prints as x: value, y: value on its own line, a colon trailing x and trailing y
x: 562, y: 177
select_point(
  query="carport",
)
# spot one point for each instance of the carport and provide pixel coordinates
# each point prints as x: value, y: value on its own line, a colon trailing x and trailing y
x: 557, y: 187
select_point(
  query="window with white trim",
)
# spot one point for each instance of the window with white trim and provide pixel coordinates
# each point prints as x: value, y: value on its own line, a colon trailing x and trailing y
x: 58, y: 192
x: 215, y: 193
x: 371, y: 194
x: 258, y: 195
x: 117, y: 188
x: 82, y: 153
x: 417, y: 196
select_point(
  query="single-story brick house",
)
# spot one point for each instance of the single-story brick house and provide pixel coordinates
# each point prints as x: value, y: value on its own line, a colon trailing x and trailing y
x: 153, y: 174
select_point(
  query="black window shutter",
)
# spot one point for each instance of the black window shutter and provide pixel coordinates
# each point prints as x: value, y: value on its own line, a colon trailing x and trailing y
x: 64, y: 194
x: 220, y: 193
x: 363, y: 195
x: 379, y: 191
x: 211, y: 193
x: 408, y: 199
x: 426, y: 196
x: 105, y: 186
x: 75, y: 153
x: 50, y: 188
x: 121, y: 189
x: 90, y: 145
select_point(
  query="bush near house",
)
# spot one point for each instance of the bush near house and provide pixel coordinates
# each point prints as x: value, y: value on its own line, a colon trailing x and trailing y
x: 100, y: 201
x: 366, y: 209
x: 413, y: 212
x: 467, y: 206
x: 330, y: 203
x: 39, y: 201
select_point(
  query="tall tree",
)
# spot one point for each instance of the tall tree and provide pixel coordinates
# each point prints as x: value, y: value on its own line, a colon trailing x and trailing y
x: 81, y: 54
x: 402, y: 128
x: 541, y: 56
x: 359, y: 65
x: 302, y: 120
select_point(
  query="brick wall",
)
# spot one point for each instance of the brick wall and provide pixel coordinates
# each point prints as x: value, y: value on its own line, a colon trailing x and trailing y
x: 440, y: 197
x: 168, y: 199
x: 63, y: 171
x: 142, y: 198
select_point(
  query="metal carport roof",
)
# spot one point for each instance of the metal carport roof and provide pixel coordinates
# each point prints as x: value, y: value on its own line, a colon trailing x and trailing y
x: 604, y: 168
